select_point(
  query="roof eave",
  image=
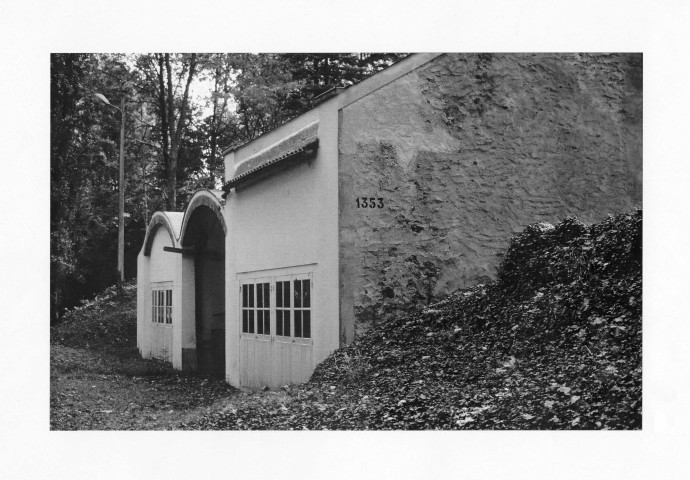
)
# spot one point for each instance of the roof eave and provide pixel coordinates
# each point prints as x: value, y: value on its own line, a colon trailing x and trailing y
x: 307, y: 152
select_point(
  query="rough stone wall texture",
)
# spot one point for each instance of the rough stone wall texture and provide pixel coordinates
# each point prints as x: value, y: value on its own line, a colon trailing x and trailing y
x: 469, y: 149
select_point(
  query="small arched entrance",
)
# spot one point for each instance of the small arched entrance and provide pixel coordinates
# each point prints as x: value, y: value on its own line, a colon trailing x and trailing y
x: 203, y: 243
x: 158, y: 291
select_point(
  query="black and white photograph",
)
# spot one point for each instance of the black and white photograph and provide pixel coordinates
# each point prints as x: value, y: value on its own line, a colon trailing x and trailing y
x: 345, y: 240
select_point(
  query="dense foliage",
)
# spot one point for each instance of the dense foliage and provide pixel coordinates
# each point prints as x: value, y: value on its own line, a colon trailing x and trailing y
x: 106, y: 322
x: 181, y: 111
x: 554, y: 343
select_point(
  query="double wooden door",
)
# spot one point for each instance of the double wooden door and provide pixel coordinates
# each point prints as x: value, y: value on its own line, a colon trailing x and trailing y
x: 276, y: 344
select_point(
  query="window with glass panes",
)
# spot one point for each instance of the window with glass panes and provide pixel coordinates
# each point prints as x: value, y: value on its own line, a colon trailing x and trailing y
x: 263, y: 308
x: 256, y: 308
x: 161, y: 306
x: 302, y: 308
x: 283, y: 308
x: 248, y: 308
x: 292, y: 308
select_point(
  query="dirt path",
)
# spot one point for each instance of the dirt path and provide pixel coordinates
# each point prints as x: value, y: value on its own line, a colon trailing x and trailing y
x: 94, y: 390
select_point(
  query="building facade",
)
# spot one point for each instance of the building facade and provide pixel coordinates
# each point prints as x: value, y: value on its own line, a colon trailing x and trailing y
x: 401, y: 188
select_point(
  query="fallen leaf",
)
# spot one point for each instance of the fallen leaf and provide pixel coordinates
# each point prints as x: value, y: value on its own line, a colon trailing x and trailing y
x: 464, y: 421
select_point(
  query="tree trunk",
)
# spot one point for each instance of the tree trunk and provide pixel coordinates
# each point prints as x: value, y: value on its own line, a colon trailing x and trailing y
x: 172, y: 161
x: 162, y: 107
x: 214, y: 124
x: 176, y: 131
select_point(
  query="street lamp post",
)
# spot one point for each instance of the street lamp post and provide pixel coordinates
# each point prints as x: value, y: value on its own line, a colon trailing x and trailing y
x: 121, y: 189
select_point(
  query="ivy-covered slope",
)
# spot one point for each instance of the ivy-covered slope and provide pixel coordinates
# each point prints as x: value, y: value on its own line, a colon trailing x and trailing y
x: 554, y: 343
x: 108, y: 322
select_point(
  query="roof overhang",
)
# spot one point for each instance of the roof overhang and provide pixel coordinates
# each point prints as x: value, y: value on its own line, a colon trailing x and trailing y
x: 300, y: 146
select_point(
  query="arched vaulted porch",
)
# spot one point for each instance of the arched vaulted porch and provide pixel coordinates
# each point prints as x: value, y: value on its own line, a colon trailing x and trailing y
x: 202, y: 246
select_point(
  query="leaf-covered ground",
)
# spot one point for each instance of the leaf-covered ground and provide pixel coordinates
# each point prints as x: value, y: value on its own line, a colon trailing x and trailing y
x: 554, y: 343
x: 99, y: 382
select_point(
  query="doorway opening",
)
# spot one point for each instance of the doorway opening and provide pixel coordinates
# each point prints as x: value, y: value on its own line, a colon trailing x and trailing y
x: 205, y: 239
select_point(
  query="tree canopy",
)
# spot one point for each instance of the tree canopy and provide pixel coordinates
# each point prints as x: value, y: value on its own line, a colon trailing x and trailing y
x: 181, y: 111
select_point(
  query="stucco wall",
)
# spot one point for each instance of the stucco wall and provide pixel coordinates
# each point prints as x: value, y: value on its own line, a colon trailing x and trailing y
x: 470, y: 148
x: 288, y: 219
x: 159, y: 266
x: 163, y: 265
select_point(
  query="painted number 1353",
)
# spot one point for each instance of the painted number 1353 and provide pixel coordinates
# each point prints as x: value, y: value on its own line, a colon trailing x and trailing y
x: 370, y: 202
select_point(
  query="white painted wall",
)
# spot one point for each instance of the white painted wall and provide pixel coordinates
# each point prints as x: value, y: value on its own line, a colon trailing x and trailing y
x: 187, y: 296
x: 159, y: 266
x: 287, y: 220
x: 143, y: 293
